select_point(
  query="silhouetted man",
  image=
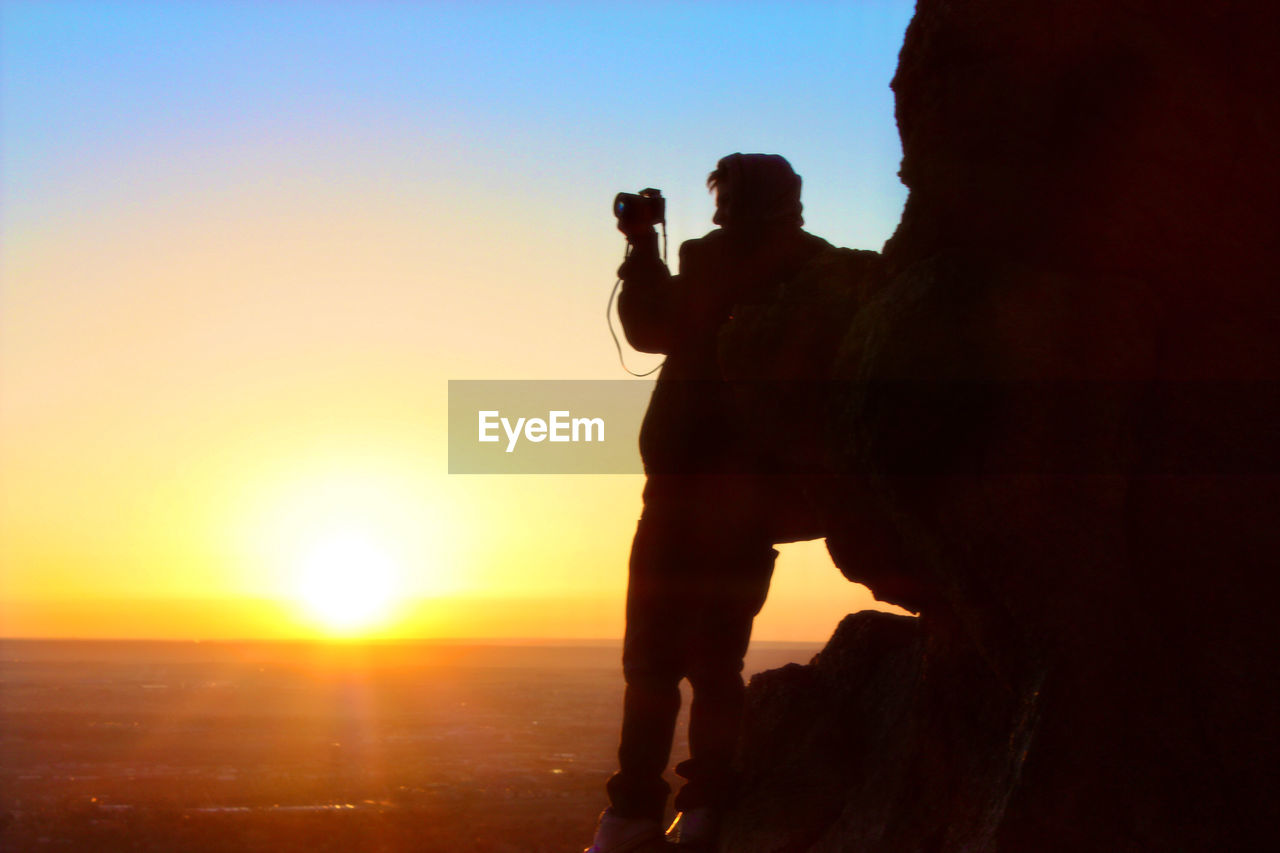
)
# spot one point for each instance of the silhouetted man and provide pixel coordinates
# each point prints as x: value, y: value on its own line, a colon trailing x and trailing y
x: 703, y: 552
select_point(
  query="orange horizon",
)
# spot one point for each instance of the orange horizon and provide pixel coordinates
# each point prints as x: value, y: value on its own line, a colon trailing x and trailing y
x: 456, y: 617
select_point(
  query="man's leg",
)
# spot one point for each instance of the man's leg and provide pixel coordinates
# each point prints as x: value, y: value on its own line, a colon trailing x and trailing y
x: 729, y: 596
x: 654, y: 650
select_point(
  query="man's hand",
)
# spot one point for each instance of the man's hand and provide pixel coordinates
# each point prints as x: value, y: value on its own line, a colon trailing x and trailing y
x: 644, y: 241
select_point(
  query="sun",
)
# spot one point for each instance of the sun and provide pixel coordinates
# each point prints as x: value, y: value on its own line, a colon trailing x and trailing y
x: 348, y: 582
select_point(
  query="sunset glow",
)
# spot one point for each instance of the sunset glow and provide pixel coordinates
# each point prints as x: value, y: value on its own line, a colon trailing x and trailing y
x: 245, y: 246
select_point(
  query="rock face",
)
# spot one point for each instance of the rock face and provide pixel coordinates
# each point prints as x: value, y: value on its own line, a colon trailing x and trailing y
x: 1059, y: 444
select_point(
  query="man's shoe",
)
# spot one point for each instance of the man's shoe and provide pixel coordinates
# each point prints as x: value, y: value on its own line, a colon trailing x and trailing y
x: 616, y: 834
x: 695, y: 828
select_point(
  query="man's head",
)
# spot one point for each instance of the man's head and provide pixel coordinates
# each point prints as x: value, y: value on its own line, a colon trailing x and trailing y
x: 756, y: 191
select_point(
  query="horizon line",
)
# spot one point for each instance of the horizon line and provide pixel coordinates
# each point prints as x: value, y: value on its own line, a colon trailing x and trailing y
x: 356, y: 641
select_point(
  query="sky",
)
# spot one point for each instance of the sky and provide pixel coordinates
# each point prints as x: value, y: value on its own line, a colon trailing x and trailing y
x: 244, y: 246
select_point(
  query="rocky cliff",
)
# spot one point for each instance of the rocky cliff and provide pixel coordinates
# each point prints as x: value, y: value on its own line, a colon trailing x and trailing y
x: 1054, y: 434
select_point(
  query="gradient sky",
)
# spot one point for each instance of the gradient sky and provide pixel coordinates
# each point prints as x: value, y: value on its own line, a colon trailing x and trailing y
x: 243, y: 247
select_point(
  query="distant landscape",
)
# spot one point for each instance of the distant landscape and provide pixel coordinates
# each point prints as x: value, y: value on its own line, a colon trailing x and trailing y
x: 135, y: 745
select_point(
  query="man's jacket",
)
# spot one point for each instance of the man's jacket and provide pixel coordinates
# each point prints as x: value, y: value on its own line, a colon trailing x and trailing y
x: 692, y: 425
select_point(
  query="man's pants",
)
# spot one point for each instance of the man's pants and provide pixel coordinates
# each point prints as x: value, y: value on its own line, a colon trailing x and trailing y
x: 699, y: 573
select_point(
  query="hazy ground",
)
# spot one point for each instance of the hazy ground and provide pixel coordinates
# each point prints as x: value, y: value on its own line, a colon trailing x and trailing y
x: 223, y: 746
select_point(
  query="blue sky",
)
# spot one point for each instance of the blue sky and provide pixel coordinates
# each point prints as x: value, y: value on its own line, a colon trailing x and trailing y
x: 517, y: 98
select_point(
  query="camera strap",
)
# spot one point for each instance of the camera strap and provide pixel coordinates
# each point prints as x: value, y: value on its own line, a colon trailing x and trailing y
x: 608, y: 311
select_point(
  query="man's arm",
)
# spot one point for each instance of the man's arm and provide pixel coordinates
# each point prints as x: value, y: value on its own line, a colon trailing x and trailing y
x: 648, y: 304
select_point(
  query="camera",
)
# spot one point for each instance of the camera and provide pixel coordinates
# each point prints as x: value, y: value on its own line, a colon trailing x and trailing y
x: 637, y: 211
